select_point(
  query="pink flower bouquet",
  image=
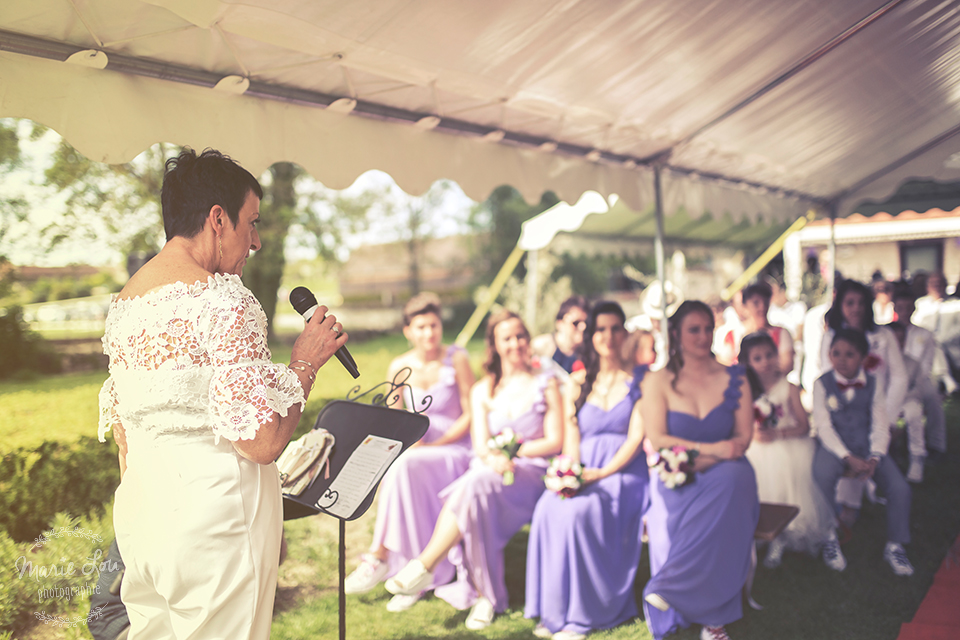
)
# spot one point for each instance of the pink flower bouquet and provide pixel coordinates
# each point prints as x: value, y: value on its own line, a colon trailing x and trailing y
x: 674, y: 466
x: 564, y: 476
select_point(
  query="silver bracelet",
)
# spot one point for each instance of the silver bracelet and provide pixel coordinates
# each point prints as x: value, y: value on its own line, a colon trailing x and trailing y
x: 310, y: 374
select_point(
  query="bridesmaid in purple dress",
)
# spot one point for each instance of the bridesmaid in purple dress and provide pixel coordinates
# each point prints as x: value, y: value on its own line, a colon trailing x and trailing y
x: 583, y: 552
x: 701, y: 533
x: 409, y: 501
x: 481, y: 513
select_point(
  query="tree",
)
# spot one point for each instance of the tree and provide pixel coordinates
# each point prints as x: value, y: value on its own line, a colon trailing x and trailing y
x: 119, y: 202
x: 415, y: 219
x: 500, y: 218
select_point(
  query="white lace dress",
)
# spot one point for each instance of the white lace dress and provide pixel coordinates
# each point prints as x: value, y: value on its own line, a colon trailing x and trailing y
x: 198, y: 526
x: 784, y: 471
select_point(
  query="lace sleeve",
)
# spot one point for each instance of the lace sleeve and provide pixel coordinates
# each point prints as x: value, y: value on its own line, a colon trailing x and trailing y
x: 246, y: 388
x: 108, y: 409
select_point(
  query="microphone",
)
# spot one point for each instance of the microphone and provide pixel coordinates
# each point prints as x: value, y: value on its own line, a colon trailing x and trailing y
x: 306, y: 305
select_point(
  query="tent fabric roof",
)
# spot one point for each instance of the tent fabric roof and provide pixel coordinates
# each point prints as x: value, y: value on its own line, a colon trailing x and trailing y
x: 754, y: 109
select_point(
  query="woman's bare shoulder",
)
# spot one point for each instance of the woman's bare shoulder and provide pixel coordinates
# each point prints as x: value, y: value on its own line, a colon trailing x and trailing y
x: 159, y: 273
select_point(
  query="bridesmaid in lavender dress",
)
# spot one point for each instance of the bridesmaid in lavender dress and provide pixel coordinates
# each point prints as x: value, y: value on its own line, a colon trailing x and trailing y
x: 409, y: 501
x: 481, y: 513
x: 701, y: 533
x: 583, y: 552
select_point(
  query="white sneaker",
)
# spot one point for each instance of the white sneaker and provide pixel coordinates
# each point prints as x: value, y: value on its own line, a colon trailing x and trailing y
x: 713, y: 633
x: 541, y: 631
x: 481, y: 615
x: 872, y: 493
x: 896, y: 557
x: 775, y: 553
x: 656, y: 600
x: 365, y: 577
x: 915, y: 473
x: 400, y: 603
x: 569, y: 635
x: 832, y: 555
x: 410, y: 580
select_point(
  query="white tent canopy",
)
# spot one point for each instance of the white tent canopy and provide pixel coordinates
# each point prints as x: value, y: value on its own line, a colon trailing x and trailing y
x: 748, y: 107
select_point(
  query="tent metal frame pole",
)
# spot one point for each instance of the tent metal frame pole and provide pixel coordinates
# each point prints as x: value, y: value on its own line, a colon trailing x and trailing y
x: 832, y: 252
x: 658, y: 250
x: 533, y: 286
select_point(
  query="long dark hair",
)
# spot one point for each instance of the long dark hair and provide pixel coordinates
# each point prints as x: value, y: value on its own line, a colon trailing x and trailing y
x: 750, y: 342
x: 590, y: 357
x: 675, y: 360
x: 834, y: 315
x: 492, y: 364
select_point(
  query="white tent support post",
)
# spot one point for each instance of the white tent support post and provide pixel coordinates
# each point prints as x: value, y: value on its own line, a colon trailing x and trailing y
x: 532, y: 288
x: 832, y: 251
x: 658, y: 249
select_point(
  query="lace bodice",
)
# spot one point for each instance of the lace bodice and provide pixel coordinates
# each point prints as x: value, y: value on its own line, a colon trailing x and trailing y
x: 192, y: 357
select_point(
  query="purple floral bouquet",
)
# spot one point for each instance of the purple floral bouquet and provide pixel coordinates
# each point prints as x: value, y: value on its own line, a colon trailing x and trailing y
x: 508, y: 443
x: 674, y: 466
x: 564, y: 476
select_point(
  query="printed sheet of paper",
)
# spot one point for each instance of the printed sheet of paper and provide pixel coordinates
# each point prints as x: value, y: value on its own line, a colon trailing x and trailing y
x: 364, y: 468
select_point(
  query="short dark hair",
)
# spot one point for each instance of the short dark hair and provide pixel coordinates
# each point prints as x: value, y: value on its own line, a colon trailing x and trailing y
x: 573, y: 302
x: 192, y: 185
x: 757, y: 289
x: 903, y: 291
x: 421, y: 304
x: 856, y: 338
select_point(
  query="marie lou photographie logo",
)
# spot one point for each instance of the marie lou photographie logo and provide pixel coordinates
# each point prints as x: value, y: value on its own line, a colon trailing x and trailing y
x: 57, y: 581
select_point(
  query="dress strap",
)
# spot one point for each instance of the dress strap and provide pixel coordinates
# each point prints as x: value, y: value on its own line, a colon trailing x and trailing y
x: 639, y: 372
x: 731, y: 396
x: 448, y: 357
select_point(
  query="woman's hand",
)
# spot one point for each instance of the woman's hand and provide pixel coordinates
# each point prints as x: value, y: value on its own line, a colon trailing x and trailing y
x: 727, y: 449
x: 765, y: 435
x: 592, y: 475
x: 320, y: 339
x: 498, y: 462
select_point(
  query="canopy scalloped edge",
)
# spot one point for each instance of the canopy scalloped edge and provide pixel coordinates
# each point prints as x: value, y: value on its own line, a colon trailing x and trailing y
x: 101, y: 113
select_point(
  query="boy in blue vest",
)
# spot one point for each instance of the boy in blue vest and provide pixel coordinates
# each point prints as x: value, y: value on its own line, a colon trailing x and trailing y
x: 850, y: 419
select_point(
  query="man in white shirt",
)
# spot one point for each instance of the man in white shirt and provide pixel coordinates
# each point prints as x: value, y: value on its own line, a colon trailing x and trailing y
x: 921, y: 345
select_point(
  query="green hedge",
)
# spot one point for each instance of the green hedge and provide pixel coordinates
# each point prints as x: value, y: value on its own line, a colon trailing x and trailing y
x: 39, y: 583
x: 35, y: 484
x: 23, y: 350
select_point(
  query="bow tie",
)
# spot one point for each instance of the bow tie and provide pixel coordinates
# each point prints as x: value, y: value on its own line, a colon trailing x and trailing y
x: 856, y: 384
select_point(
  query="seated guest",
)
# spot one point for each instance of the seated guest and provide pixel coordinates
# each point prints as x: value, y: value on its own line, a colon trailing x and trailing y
x: 583, y: 552
x: 912, y: 412
x: 639, y: 348
x: 563, y: 345
x: 108, y: 617
x: 849, y: 414
x: 756, y: 303
x: 487, y: 505
x: 409, y: 501
x: 853, y: 308
x: 921, y: 345
x: 701, y: 532
x: 782, y: 457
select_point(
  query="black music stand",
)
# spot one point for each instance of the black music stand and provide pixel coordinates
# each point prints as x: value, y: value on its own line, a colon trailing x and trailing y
x: 357, y: 427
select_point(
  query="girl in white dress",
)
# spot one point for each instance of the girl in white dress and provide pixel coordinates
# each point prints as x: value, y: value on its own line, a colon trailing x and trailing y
x: 782, y: 454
